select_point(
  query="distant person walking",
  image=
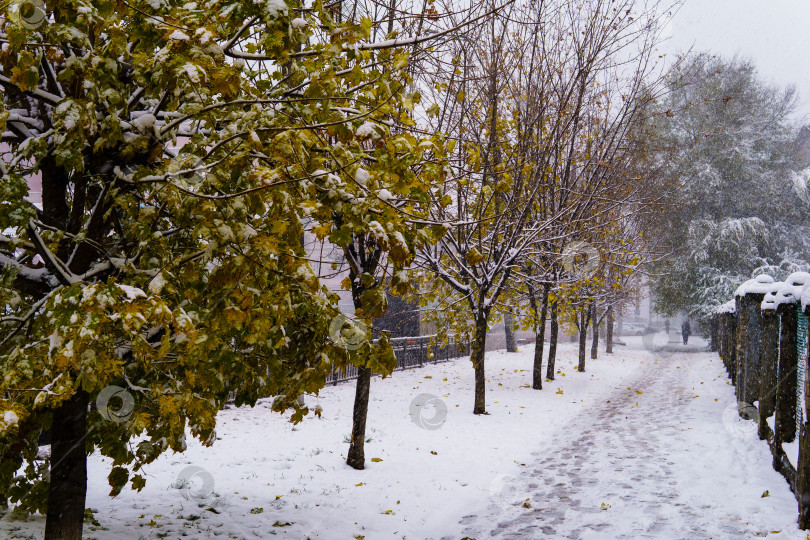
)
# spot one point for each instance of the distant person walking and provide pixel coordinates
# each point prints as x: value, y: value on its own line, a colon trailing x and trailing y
x: 666, y: 325
x: 686, y: 331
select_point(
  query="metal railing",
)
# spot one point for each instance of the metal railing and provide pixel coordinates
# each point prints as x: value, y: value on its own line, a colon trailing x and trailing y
x: 410, y: 352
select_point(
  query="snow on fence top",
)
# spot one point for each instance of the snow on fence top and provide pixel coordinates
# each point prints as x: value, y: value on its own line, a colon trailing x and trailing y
x: 728, y: 307
x: 787, y: 294
x: 770, y: 301
x: 798, y: 279
x: 796, y: 287
x: 782, y: 293
x: 761, y: 284
x: 805, y: 297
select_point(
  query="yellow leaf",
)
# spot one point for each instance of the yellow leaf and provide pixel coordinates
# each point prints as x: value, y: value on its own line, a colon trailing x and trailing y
x: 322, y: 231
x: 474, y: 257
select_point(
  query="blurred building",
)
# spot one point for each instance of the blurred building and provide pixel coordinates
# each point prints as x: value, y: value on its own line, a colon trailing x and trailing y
x: 329, y: 264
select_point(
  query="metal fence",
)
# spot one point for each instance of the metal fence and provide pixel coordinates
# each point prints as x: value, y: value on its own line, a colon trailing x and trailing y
x: 801, y: 342
x: 765, y: 351
x: 410, y: 352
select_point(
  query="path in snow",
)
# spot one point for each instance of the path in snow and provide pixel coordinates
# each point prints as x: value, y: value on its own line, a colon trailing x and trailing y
x: 647, y: 464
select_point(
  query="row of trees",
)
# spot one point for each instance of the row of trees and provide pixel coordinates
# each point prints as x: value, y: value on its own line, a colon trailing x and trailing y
x: 544, y: 199
x: 546, y: 192
x: 183, y: 149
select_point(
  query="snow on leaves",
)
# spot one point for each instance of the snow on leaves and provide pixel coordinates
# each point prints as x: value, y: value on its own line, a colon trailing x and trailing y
x: 176, y: 177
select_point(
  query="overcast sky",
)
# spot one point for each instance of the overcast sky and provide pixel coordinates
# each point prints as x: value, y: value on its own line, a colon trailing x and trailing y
x: 775, y: 34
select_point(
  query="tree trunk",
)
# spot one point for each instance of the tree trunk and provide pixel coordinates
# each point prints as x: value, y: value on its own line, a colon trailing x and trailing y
x: 540, y: 338
x: 583, y: 337
x: 479, y: 347
x: 595, y: 341
x: 391, y: 9
x: 356, y: 458
x: 509, y: 330
x: 609, y: 331
x: 552, y: 343
x: 68, y: 484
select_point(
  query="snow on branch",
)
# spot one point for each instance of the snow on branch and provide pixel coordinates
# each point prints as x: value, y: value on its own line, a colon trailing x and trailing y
x: 38, y: 93
x: 801, y: 184
x: 380, y: 45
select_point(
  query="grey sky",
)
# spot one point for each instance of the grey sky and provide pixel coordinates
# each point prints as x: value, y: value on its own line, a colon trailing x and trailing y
x: 775, y: 34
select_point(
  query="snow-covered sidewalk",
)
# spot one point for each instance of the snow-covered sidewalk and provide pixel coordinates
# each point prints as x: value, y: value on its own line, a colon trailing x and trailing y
x: 641, y: 445
x: 665, y: 457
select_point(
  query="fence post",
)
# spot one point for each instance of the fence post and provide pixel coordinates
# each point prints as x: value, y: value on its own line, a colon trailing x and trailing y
x: 722, y: 340
x: 714, y: 331
x: 725, y: 336
x: 739, y: 369
x: 728, y: 344
x: 785, y: 417
x: 732, y: 347
x: 720, y: 318
x: 768, y: 371
x: 753, y: 346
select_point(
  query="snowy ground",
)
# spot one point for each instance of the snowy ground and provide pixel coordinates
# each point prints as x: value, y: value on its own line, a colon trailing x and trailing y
x: 642, y: 445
